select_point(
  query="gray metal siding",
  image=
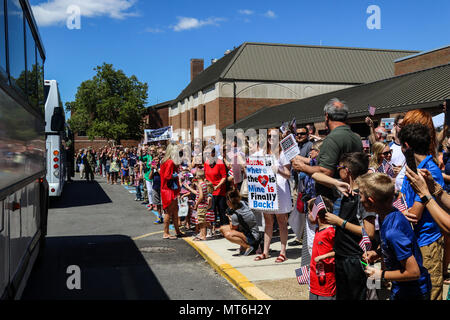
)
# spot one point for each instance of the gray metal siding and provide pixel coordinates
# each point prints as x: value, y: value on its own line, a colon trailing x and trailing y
x: 420, y: 89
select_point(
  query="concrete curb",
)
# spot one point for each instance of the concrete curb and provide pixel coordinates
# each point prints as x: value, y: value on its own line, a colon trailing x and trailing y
x: 237, y: 279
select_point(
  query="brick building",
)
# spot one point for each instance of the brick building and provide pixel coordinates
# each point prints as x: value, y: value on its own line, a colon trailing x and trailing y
x: 258, y: 75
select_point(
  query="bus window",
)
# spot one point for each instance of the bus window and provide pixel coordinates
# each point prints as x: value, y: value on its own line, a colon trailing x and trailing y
x: 31, y: 68
x: 16, y: 44
x: 42, y: 96
x: 2, y: 38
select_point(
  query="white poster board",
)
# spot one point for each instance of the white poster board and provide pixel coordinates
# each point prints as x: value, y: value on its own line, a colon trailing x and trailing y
x: 262, y: 184
x: 290, y: 147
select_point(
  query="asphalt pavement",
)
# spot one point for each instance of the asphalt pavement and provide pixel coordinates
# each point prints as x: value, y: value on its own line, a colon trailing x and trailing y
x: 120, y: 253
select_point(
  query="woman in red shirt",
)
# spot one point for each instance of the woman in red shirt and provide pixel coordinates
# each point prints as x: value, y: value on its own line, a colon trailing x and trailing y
x: 216, y: 173
x: 170, y: 188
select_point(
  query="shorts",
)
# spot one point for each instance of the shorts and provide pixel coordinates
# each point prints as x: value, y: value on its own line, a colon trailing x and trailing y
x: 313, y: 296
x: 201, y: 215
x: 210, y: 216
x: 107, y: 169
x: 124, y: 173
x: 156, y: 197
x: 131, y: 171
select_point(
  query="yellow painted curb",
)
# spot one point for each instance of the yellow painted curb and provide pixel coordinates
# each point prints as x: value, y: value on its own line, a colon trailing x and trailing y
x: 245, y: 286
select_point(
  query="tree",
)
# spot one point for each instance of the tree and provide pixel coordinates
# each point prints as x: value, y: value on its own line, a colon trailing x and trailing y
x: 110, y: 105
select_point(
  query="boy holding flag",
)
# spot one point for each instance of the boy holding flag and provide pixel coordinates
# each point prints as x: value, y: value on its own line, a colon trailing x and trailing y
x: 399, y: 247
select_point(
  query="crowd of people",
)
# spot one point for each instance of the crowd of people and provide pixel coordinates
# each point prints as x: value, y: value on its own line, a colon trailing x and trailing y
x: 384, y: 200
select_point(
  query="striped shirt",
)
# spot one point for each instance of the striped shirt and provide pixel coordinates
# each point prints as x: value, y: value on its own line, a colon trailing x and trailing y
x: 204, y: 203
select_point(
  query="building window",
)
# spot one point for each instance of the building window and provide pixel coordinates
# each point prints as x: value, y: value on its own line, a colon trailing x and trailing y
x: 195, y: 114
x: 16, y: 42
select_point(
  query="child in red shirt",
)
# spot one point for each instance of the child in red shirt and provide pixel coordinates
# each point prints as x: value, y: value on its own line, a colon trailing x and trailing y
x: 322, y: 284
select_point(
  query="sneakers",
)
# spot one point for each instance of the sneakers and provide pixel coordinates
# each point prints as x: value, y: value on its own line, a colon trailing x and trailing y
x: 209, y: 233
x: 160, y: 220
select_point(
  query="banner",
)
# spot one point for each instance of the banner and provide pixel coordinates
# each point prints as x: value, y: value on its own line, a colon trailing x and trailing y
x: 262, y: 184
x: 152, y: 135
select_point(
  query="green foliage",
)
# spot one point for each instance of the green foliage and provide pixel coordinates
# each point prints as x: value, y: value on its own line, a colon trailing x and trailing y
x: 110, y: 105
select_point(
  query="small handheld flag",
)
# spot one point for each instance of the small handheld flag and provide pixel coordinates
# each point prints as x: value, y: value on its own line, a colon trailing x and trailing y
x: 400, y: 204
x: 318, y: 205
x: 293, y: 126
x: 365, y: 243
x: 302, y: 275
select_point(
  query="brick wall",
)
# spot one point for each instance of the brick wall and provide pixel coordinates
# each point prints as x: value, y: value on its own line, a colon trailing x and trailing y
x: 424, y: 61
x: 220, y: 111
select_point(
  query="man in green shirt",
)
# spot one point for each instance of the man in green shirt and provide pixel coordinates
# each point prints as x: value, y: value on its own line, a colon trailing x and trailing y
x: 146, y: 158
x: 339, y: 141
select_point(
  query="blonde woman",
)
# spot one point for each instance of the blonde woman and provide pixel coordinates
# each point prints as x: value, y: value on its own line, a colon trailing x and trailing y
x: 380, y: 151
x: 282, y: 168
x: 170, y: 188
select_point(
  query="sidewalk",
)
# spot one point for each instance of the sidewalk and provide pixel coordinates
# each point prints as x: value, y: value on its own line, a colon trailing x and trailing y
x: 257, y: 280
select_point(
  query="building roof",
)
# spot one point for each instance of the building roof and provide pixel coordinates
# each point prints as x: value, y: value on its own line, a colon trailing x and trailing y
x: 162, y: 105
x: 421, y: 89
x: 297, y: 63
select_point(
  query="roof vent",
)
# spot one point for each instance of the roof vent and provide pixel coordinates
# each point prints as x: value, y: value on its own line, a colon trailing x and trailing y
x: 227, y: 52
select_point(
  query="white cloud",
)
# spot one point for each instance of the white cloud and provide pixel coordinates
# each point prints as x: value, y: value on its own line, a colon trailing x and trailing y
x: 270, y: 14
x: 187, y: 23
x: 246, y: 12
x: 54, y: 12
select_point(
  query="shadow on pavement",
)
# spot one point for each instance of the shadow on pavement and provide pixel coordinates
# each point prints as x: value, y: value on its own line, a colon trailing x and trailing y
x: 111, y: 268
x: 81, y: 193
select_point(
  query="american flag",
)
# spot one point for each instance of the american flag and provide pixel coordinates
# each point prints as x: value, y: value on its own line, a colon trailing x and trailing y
x: 365, y: 243
x: 386, y: 168
x: 372, y: 110
x: 293, y: 126
x: 400, y: 204
x: 302, y: 275
x: 318, y: 205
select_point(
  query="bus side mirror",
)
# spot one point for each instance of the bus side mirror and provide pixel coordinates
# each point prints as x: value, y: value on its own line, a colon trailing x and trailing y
x: 58, y: 120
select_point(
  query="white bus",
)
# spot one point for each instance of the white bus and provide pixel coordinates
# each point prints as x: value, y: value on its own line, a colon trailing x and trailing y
x: 23, y: 184
x: 55, y: 131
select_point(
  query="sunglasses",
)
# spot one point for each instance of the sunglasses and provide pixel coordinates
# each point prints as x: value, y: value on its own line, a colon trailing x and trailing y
x: 387, y: 153
x: 302, y: 133
x: 341, y: 167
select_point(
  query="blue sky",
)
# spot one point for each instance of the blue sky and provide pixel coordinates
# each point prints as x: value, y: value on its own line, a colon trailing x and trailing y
x: 155, y: 40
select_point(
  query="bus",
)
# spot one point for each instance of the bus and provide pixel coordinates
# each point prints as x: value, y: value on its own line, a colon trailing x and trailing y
x: 55, y: 138
x: 23, y: 183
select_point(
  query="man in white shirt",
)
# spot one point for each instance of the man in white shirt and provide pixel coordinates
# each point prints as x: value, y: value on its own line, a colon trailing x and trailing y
x: 398, y: 159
